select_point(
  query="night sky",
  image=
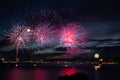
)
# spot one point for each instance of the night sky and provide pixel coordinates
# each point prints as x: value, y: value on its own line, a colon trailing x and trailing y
x: 101, y: 18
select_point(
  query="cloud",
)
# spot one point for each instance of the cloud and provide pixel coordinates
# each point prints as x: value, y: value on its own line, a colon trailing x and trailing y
x: 47, y: 51
x: 103, y: 29
x: 101, y: 43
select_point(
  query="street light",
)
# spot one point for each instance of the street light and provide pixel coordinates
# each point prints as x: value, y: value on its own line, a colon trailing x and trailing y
x: 96, y: 56
x: 96, y: 67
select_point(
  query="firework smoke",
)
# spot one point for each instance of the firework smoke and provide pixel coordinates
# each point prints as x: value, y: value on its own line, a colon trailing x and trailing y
x: 45, y: 16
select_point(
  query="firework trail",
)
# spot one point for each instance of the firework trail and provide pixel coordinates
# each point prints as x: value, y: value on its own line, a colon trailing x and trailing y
x: 43, y: 34
x: 19, y: 36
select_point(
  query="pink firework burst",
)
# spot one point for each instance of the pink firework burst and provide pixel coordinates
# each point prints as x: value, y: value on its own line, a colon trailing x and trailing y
x: 19, y: 35
x: 43, y: 33
x: 72, y: 35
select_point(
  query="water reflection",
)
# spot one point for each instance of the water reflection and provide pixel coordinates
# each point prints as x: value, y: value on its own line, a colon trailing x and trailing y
x: 17, y: 74
x: 39, y: 74
x: 69, y: 71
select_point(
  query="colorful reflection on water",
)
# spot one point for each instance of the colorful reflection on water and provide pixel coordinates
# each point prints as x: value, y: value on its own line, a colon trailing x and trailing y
x: 39, y: 74
x: 69, y: 71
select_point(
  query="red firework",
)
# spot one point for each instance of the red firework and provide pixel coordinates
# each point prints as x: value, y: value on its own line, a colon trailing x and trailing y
x: 72, y: 35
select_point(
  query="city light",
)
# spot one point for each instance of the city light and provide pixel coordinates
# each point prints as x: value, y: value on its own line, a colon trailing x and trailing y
x: 34, y: 65
x: 16, y: 65
x: 66, y: 65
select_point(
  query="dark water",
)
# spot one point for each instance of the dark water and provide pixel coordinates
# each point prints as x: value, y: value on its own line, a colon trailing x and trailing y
x: 107, y: 72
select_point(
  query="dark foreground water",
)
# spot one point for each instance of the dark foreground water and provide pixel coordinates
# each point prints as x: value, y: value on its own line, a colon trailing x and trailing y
x: 107, y: 72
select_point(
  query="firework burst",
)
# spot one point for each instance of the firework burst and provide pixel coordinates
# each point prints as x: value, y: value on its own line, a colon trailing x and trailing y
x: 72, y: 35
x: 19, y: 36
x: 43, y: 34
